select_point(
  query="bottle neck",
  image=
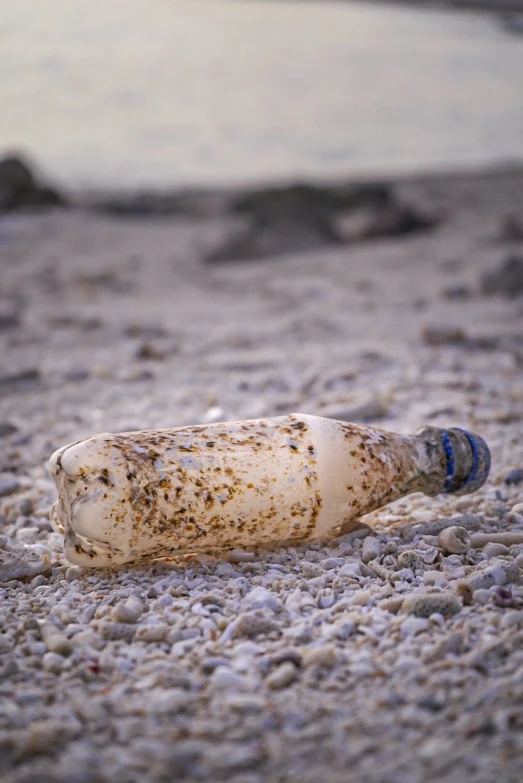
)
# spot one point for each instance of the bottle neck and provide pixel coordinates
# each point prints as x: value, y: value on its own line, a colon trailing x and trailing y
x: 458, y: 462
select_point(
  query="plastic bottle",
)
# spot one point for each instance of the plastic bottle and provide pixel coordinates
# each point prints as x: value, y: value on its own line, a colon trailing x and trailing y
x: 148, y: 494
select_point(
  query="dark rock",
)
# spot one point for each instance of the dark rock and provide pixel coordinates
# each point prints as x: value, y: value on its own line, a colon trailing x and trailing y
x: 443, y: 335
x: 87, y: 324
x: 19, y: 189
x: 300, y: 200
x: 507, y: 280
x: 431, y: 703
x: 296, y: 218
x: 19, y: 380
x: 306, y: 217
x: 107, y: 280
x: 273, y: 237
x: 452, y: 335
x: 143, y: 375
x: 512, y: 229
x: 146, y: 331
x: 143, y: 205
x: 196, y: 203
x: 25, y: 509
x: 16, y: 179
x: 457, y: 291
x: 76, y: 375
x: 395, y: 219
x: 150, y: 352
x: 512, y: 22
x: 8, y: 485
x: 7, y: 429
x: 178, y: 761
x: 9, y: 319
x: 514, y: 477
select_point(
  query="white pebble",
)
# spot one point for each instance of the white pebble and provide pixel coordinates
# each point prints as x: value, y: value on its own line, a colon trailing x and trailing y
x: 311, y: 570
x: 55, y: 641
x: 156, y: 632
x: 392, y: 604
x: 127, y: 611
x: 413, y: 625
x: 240, y: 556
x: 75, y: 572
x: 343, y: 629
x: 433, y: 577
x: 350, y: 570
x: 52, y: 662
x: 246, y: 648
x: 370, y: 549
x: 509, y: 619
x: 326, y: 601
x: 362, y: 669
x: 481, y: 596
x: 495, y: 550
x: 453, y: 567
x: 261, y: 598
x: 243, y: 702
x: 88, y: 638
x: 360, y: 597
x: 325, y: 655
x: 281, y: 677
x: 407, y: 664
x: 332, y: 562
x: 225, y: 679
x: 242, y: 663
x: 171, y: 700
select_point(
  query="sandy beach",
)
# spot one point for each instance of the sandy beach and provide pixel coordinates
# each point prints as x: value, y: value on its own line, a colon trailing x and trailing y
x: 394, y: 304
x: 227, y: 229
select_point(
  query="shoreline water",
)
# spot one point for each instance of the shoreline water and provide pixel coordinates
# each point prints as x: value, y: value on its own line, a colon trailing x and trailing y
x: 320, y: 89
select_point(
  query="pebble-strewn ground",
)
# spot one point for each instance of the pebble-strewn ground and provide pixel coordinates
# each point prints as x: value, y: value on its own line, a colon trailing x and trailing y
x: 395, y: 657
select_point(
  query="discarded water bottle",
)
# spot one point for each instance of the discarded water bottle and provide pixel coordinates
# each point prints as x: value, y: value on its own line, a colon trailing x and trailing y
x: 155, y: 493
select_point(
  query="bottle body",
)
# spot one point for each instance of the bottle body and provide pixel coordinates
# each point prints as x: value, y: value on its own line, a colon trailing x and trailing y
x: 156, y: 493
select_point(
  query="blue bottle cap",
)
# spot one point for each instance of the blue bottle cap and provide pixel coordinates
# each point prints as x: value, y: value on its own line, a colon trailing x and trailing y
x: 479, y: 471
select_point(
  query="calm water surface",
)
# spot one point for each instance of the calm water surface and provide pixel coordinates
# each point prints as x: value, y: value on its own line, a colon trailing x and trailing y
x: 165, y: 92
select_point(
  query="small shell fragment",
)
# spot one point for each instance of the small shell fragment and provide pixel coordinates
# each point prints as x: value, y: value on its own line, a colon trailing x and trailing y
x: 455, y: 540
x: 256, y: 623
x: 20, y: 562
x: 425, y: 604
x: 54, y: 640
x: 409, y: 559
x: 500, y: 573
x: 508, y: 538
x: 495, y: 550
x: 283, y: 676
x: 370, y: 549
